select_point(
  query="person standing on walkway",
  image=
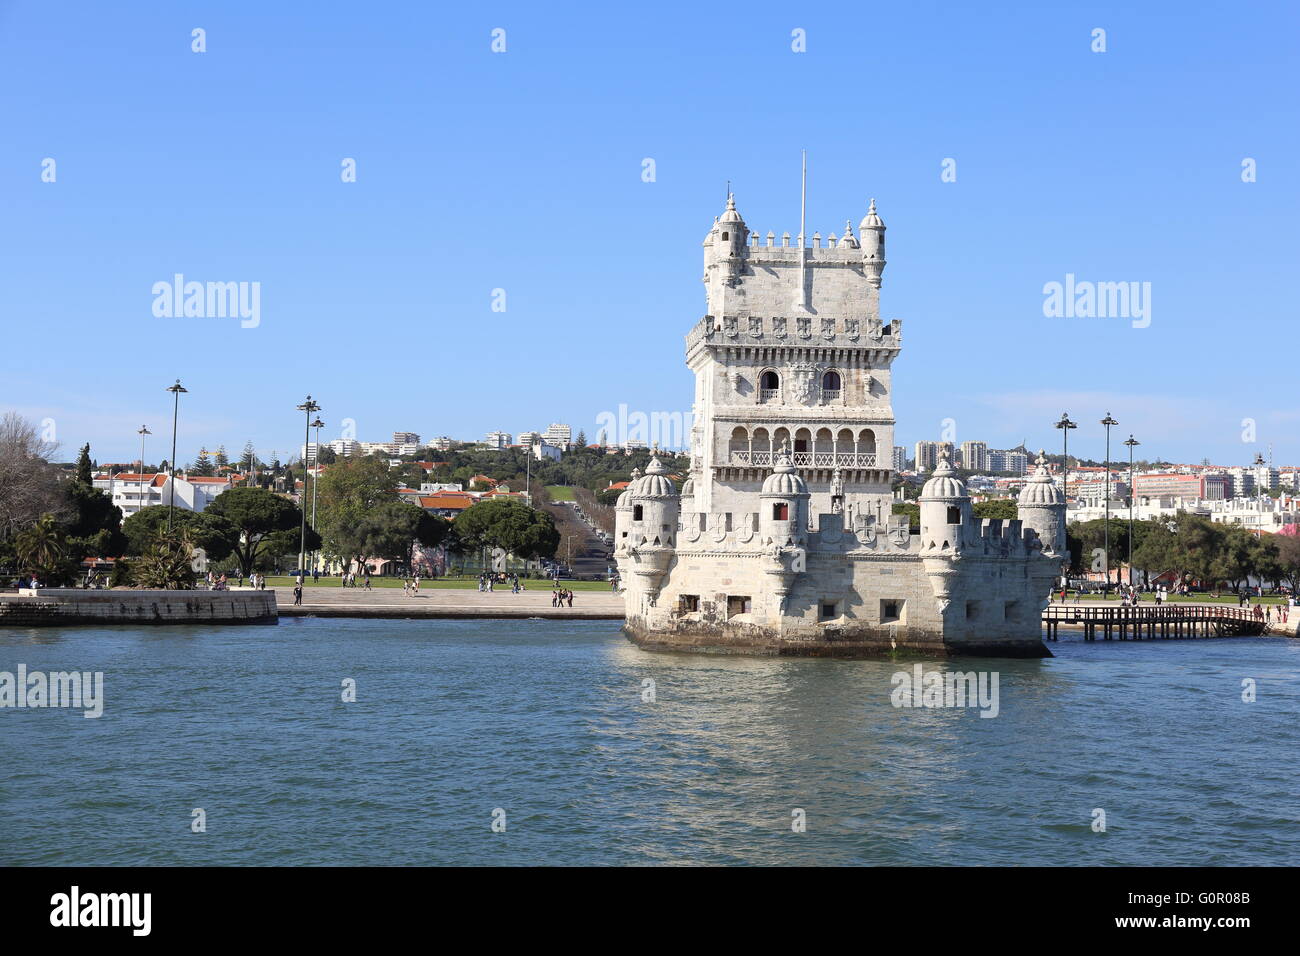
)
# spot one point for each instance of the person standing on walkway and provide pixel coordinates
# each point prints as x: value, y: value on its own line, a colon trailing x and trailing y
x: 297, y: 592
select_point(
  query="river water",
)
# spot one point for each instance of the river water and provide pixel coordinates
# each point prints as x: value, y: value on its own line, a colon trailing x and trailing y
x: 546, y: 726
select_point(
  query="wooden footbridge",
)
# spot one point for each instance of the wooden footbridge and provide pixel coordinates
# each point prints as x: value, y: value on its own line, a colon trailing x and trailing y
x: 1153, y: 621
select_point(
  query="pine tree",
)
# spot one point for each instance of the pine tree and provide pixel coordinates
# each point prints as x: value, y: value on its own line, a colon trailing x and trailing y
x: 221, y: 460
x: 202, y: 466
x: 84, y: 474
x: 248, y: 459
x: 582, y: 439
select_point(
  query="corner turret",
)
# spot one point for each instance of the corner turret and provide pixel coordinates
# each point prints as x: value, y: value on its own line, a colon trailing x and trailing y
x: 872, y: 232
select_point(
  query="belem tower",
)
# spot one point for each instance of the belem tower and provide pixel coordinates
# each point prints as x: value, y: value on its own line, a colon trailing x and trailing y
x: 781, y: 540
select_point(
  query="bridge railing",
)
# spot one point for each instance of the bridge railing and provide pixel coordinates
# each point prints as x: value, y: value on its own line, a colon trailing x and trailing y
x: 1146, y: 613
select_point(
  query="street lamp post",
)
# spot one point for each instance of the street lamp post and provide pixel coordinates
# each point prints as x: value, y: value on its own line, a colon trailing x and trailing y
x: 1132, y: 443
x: 143, y: 430
x: 309, y: 407
x: 1065, y: 425
x: 1107, y: 421
x: 315, y: 480
x: 176, y: 408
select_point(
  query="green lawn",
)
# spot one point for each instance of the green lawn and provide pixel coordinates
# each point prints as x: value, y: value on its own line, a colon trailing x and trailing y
x: 560, y: 492
x: 465, y: 584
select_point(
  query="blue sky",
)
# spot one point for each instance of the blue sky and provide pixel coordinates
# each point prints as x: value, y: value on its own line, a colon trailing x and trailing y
x: 522, y: 171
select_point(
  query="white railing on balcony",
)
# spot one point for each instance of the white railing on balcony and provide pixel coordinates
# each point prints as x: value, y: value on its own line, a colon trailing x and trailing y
x: 768, y: 394
x: 830, y: 395
x: 807, y: 459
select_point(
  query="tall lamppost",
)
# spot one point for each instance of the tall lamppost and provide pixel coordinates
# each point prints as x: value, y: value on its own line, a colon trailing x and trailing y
x: 1065, y: 425
x: 1132, y: 443
x: 176, y: 408
x: 315, y: 480
x: 143, y: 430
x: 1107, y: 421
x: 310, y: 408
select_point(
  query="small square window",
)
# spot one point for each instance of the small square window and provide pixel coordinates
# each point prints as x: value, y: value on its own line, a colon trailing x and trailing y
x: 737, y: 604
x: 972, y: 610
x: 891, y: 611
x: 689, y: 603
x: 828, y: 610
x: 780, y: 511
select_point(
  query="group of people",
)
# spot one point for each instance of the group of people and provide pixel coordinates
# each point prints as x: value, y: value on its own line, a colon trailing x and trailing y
x: 561, y: 595
x: 348, y: 579
x: 410, y: 586
x: 488, y: 580
x: 1265, y: 612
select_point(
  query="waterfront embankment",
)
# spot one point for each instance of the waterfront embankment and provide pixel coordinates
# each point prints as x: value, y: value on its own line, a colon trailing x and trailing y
x: 59, y: 606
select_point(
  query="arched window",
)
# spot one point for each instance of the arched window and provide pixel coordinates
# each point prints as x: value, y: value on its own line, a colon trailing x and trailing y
x: 725, y: 236
x: 831, y: 381
x: 769, y: 386
x: 770, y: 380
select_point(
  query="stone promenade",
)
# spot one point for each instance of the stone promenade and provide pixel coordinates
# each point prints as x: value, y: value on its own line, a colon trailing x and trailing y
x: 447, y: 603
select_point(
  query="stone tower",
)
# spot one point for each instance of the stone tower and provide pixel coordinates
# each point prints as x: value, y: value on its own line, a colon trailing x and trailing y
x: 782, y: 538
x: 792, y: 352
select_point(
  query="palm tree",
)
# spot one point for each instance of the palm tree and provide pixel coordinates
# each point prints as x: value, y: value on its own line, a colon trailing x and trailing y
x: 43, y: 550
x: 167, y: 564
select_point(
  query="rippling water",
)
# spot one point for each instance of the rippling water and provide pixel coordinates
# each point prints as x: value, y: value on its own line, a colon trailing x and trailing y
x: 546, y: 720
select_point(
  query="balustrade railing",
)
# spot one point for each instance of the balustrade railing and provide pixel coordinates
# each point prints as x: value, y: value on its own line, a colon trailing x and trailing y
x: 807, y: 459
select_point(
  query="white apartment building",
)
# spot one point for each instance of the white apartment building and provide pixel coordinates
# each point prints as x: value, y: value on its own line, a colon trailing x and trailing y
x: 545, y: 451
x: 900, y: 458
x: 497, y: 440
x: 345, y: 447
x: 558, y: 434
x: 132, y: 492
x: 1016, y: 462
x: 975, y: 456
x: 928, y: 454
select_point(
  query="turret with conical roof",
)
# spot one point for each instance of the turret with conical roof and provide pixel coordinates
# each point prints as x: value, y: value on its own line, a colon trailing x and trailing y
x: 945, y: 509
x: 783, y: 514
x: 872, y: 231
x: 1041, y: 506
x: 727, y: 242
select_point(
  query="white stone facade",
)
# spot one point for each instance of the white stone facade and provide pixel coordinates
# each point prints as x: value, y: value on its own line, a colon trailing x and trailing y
x: 782, y: 539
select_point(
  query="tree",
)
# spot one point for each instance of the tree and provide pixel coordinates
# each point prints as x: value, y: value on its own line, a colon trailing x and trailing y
x: 42, y: 550
x: 1004, y: 508
x: 167, y: 564
x: 94, y: 523
x: 510, y: 525
x: 256, y: 514
x: 85, y: 473
x: 346, y: 494
x: 1158, y: 550
x: 217, y: 536
x: 1288, y: 560
x: 582, y: 439
x: 29, y: 484
x: 221, y: 461
x: 202, y: 466
x: 248, y: 460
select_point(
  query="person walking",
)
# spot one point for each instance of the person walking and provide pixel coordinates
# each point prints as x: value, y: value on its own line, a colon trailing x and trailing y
x: 570, y: 599
x: 297, y: 592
